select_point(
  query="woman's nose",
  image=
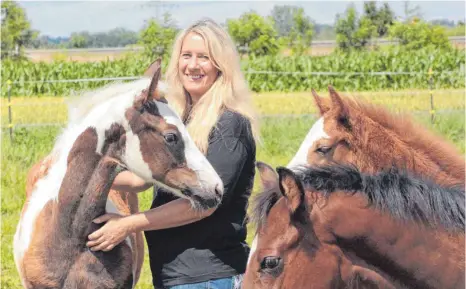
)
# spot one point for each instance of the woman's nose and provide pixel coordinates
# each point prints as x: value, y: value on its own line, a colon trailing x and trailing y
x: 193, y: 63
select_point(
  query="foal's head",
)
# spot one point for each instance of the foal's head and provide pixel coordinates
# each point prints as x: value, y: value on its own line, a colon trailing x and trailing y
x: 373, y: 139
x: 295, y: 243
x: 287, y: 247
x: 153, y: 143
x: 334, y: 227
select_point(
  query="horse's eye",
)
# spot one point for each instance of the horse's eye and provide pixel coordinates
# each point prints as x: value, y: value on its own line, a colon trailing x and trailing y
x: 270, y: 264
x: 171, y: 138
x: 323, y: 150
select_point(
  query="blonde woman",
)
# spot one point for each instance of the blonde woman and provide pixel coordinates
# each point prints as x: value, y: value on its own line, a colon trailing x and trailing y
x: 188, y: 248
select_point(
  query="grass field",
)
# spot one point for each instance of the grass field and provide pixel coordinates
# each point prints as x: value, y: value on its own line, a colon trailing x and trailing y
x: 40, y: 110
x: 281, y: 136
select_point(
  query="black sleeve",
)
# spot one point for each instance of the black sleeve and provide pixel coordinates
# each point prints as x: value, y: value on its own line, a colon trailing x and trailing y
x: 228, y: 154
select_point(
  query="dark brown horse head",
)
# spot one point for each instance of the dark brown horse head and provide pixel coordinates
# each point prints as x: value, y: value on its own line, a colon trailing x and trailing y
x: 149, y: 138
x: 334, y: 227
x: 283, y: 254
x: 371, y: 138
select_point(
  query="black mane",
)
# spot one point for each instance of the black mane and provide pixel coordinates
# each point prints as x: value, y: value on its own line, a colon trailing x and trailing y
x: 404, y: 195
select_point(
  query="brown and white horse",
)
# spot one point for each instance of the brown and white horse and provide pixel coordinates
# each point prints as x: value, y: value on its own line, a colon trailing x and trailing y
x: 127, y: 126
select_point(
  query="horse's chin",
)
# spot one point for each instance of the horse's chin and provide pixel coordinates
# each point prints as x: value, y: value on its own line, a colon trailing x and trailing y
x: 198, y: 202
x: 202, y: 204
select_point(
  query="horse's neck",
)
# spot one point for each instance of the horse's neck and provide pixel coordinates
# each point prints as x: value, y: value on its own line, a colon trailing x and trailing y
x: 85, y: 186
x: 415, y: 256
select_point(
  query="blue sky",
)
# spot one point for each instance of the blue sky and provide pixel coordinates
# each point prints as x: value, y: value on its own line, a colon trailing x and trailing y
x: 60, y: 18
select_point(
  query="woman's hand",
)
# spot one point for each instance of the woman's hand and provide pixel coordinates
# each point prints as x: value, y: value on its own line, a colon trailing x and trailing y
x: 111, y: 234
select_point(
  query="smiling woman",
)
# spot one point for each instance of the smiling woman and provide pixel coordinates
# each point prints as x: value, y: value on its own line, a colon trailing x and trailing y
x: 198, y: 73
x: 199, y: 249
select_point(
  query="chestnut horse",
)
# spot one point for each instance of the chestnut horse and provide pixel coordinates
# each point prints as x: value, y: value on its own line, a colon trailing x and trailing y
x: 372, y: 139
x: 335, y: 227
x: 127, y: 127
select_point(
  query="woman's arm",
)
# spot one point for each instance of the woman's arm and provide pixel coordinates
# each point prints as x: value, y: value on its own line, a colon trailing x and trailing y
x: 179, y: 212
x: 173, y: 214
x: 127, y: 181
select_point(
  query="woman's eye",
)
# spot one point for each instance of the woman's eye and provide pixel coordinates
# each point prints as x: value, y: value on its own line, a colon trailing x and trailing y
x: 323, y: 150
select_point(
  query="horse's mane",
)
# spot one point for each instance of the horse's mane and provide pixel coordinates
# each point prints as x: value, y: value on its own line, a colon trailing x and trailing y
x: 80, y: 105
x: 262, y: 204
x: 414, y: 135
x: 404, y: 195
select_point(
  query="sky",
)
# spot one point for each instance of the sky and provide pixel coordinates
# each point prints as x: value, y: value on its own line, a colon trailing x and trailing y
x: 61, y: 18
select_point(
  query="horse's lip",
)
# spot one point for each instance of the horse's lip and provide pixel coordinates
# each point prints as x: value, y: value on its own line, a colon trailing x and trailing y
x: 202, y: 203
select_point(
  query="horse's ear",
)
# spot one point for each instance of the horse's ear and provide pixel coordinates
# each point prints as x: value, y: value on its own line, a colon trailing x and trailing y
x: 368, y: 278
x: 321, y: 104
x: 291, y: 188
x: 341, y: 108
x: 156, y: 70
x: 150, y: 71
x: 268, y: 176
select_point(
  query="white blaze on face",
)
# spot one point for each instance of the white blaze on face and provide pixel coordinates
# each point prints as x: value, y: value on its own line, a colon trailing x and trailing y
x: 209, y: 179
x: 253, y: 248
x: 315, y: 133
x: 133, y: 155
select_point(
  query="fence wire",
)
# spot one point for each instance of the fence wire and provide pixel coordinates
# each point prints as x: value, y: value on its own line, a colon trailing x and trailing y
x: 307, y: 73
x: 429, y: 73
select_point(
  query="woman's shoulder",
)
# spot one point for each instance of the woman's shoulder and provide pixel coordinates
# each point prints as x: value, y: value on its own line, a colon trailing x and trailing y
x: 232, y: 123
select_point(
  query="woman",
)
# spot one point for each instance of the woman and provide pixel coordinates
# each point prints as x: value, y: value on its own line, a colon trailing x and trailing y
x: 207, y: 249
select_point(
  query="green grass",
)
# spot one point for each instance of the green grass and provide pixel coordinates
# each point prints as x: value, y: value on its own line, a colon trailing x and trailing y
x: 53, y: 109
x: 281, y: 138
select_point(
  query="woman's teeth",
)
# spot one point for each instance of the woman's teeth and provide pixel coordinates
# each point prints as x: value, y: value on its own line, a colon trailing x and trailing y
x: 195, y: 77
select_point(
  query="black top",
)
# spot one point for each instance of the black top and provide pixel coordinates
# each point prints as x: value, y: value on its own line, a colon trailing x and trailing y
x: 214, y: 247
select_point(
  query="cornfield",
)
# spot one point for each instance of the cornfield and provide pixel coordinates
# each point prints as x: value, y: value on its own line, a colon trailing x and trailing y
x: 351, y: 71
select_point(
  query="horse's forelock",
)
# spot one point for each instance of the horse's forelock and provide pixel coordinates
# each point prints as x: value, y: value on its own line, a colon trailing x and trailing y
x: 263, y: 203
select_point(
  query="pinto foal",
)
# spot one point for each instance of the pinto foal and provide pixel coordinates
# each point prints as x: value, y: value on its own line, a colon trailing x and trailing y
x: 129, y: 127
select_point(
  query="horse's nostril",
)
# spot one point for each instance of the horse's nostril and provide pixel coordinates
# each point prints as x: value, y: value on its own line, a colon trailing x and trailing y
x: 218, y: 190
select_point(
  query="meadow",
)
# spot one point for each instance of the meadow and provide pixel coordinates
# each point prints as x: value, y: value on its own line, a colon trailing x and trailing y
x: 286, y: 119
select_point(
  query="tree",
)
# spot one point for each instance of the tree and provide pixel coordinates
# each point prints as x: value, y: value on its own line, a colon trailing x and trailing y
x: 157, y: 38
x: 79, y: 40
x: 16, y: 30
x: 256, y: 34
x: 353, y: 32
x: 419, y: 34
x: 301, y: 32
x: 381, y: 18
x: 283, y: 17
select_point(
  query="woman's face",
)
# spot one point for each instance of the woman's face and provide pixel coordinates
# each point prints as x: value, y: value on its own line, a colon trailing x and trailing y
x: 196, y: 69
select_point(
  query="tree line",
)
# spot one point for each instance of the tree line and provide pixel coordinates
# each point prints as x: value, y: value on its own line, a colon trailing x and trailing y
x: 287, y: 27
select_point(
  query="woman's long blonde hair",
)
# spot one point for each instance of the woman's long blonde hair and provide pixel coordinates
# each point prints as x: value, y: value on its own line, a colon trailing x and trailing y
x: 229, y: 91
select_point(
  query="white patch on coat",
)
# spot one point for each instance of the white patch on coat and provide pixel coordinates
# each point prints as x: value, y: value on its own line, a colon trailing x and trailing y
x: 315, y: 133
x: 111, y: 107
x: 209, y: 179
